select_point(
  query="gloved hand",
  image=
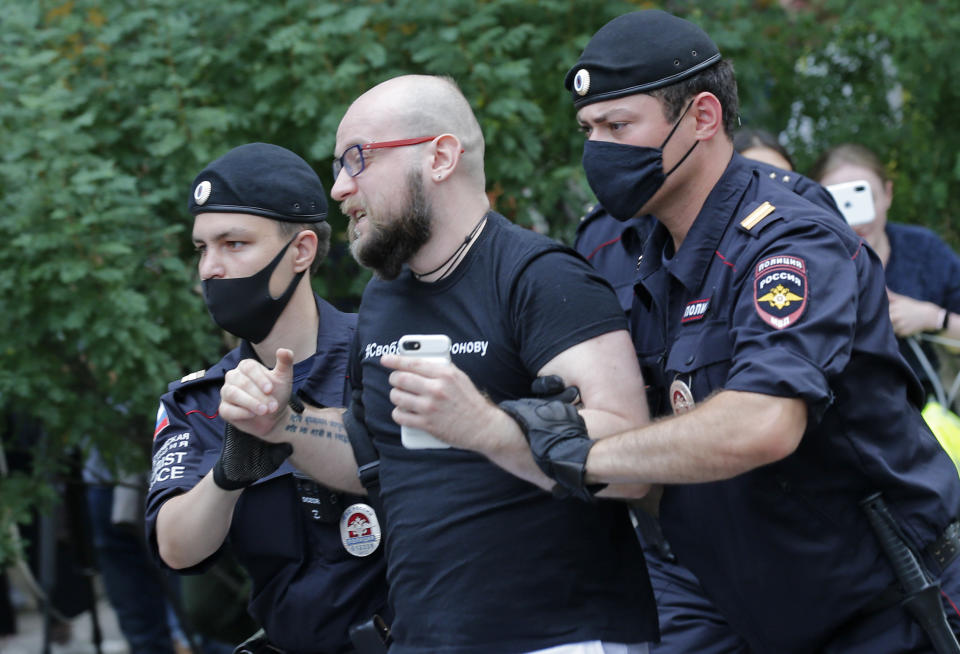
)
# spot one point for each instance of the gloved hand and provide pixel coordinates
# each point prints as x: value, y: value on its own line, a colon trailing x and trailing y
x: 245, y: 458
x: 559, y: 442
x: 552, y: 387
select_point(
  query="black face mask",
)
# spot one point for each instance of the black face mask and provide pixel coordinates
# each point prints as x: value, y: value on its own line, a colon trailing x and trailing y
x: 243, y: 306
x: 625, y: 177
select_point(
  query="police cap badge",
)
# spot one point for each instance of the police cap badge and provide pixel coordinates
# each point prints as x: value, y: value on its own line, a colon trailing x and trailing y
x: 263, y: 180
x: 638, y: 52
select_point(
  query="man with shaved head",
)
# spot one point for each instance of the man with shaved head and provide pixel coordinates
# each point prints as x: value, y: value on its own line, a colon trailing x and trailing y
x: 479, y: 560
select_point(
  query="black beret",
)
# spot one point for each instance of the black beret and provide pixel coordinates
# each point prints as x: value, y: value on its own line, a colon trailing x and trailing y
x: 261, y: 179
x: 639, y: 52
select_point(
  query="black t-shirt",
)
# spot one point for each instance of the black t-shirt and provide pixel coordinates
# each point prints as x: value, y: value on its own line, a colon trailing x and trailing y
x: 481, y: 561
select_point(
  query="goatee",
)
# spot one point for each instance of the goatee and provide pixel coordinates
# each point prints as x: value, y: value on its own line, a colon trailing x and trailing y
x: 390, y: 245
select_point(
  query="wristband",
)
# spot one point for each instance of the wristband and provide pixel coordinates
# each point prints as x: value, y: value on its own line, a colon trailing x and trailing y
x: 244, y: 459
x: 944, y: 319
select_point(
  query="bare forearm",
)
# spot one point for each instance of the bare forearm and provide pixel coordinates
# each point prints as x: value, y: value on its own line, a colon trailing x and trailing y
x: 507, y: 447
x: 601, y: 425
x: 321, y: 448
x: 727, y: 435
x: 192, y: 526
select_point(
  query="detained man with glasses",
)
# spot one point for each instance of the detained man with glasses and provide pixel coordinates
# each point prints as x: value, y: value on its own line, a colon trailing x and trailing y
x: 479, y: 560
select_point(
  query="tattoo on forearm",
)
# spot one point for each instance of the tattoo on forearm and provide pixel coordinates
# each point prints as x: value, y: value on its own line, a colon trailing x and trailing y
x: 317, y: 427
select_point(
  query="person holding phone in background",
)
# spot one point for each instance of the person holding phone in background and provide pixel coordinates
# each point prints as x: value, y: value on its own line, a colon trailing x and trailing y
x: 479, y: 560
x: 922, y: 271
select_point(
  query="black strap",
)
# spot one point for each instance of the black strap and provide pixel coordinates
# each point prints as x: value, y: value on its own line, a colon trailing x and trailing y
x: 364, y: 451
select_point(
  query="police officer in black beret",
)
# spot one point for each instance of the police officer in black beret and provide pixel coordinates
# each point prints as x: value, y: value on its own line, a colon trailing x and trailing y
x: 801, y: 485
x: 260, y: 230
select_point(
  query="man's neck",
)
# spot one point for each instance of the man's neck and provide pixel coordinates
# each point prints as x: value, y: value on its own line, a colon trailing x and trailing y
x: 680, y: 211
x: 296, y: 328
x: 452, y: 227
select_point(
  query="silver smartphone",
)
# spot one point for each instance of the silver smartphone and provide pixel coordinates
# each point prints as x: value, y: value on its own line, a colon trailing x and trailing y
x: 431, y: 347
x: 855, y: 200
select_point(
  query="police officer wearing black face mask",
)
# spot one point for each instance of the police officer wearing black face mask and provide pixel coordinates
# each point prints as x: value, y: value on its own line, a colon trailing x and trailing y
x: 260, y: 228
x: 801, y: 484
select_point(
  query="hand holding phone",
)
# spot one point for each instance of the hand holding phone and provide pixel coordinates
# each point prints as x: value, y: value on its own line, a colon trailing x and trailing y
x: 430, y: 347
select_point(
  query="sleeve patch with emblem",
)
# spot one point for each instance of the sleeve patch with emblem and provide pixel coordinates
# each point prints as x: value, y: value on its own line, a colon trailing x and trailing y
x: 163, y: 421
x: 780, y: 290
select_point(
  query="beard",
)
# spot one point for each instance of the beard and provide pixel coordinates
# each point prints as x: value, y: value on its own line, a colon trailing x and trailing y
x: 388, y: 246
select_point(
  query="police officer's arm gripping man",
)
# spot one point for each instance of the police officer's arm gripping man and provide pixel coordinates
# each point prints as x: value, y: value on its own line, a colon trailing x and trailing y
x: 730, y: 433
x: 254, y: 399
x: 440, y: 399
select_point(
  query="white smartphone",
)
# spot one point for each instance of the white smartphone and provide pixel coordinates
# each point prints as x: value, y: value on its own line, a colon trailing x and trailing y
x: 432, y: 347
x: 855, y: 200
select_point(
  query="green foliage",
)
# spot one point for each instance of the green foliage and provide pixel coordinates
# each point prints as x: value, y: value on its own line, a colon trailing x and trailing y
x: 110, y: 107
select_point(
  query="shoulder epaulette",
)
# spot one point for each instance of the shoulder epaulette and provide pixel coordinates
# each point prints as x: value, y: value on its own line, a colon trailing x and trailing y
x: 206, y: 376
x: 594, y: 211
x: 784, y: 177
x: 758, y: 217
x: 193, y: 375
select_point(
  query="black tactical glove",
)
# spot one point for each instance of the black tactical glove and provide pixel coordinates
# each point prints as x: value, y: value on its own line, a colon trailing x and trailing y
x: 552, y: 387
x: 559, y: 442
x: 245, y: 458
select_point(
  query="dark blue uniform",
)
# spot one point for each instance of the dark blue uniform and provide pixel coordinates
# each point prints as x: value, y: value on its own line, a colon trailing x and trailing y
x: 307, y: 589
x: 613, y: 247
x: 772, y: 294
x: 689, y: 622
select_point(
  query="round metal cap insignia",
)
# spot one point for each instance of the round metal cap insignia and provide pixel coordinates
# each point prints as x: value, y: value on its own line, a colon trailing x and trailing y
x: 360, y: 530
x: 581, y: 83
x: 202, y: 193
x: 680, y: 397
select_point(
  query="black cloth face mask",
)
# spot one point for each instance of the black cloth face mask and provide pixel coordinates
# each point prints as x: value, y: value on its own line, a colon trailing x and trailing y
x: 625, y: 177
x: 243, y: 306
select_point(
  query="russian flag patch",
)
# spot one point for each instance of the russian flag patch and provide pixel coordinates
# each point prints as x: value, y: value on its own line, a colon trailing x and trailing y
x: 163, y: 421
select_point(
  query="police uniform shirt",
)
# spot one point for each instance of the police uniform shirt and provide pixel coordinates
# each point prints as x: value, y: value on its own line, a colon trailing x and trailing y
x: 481, y: 561
x: 613, y: 247
x: 307, y: 590
x: 770, y: 294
